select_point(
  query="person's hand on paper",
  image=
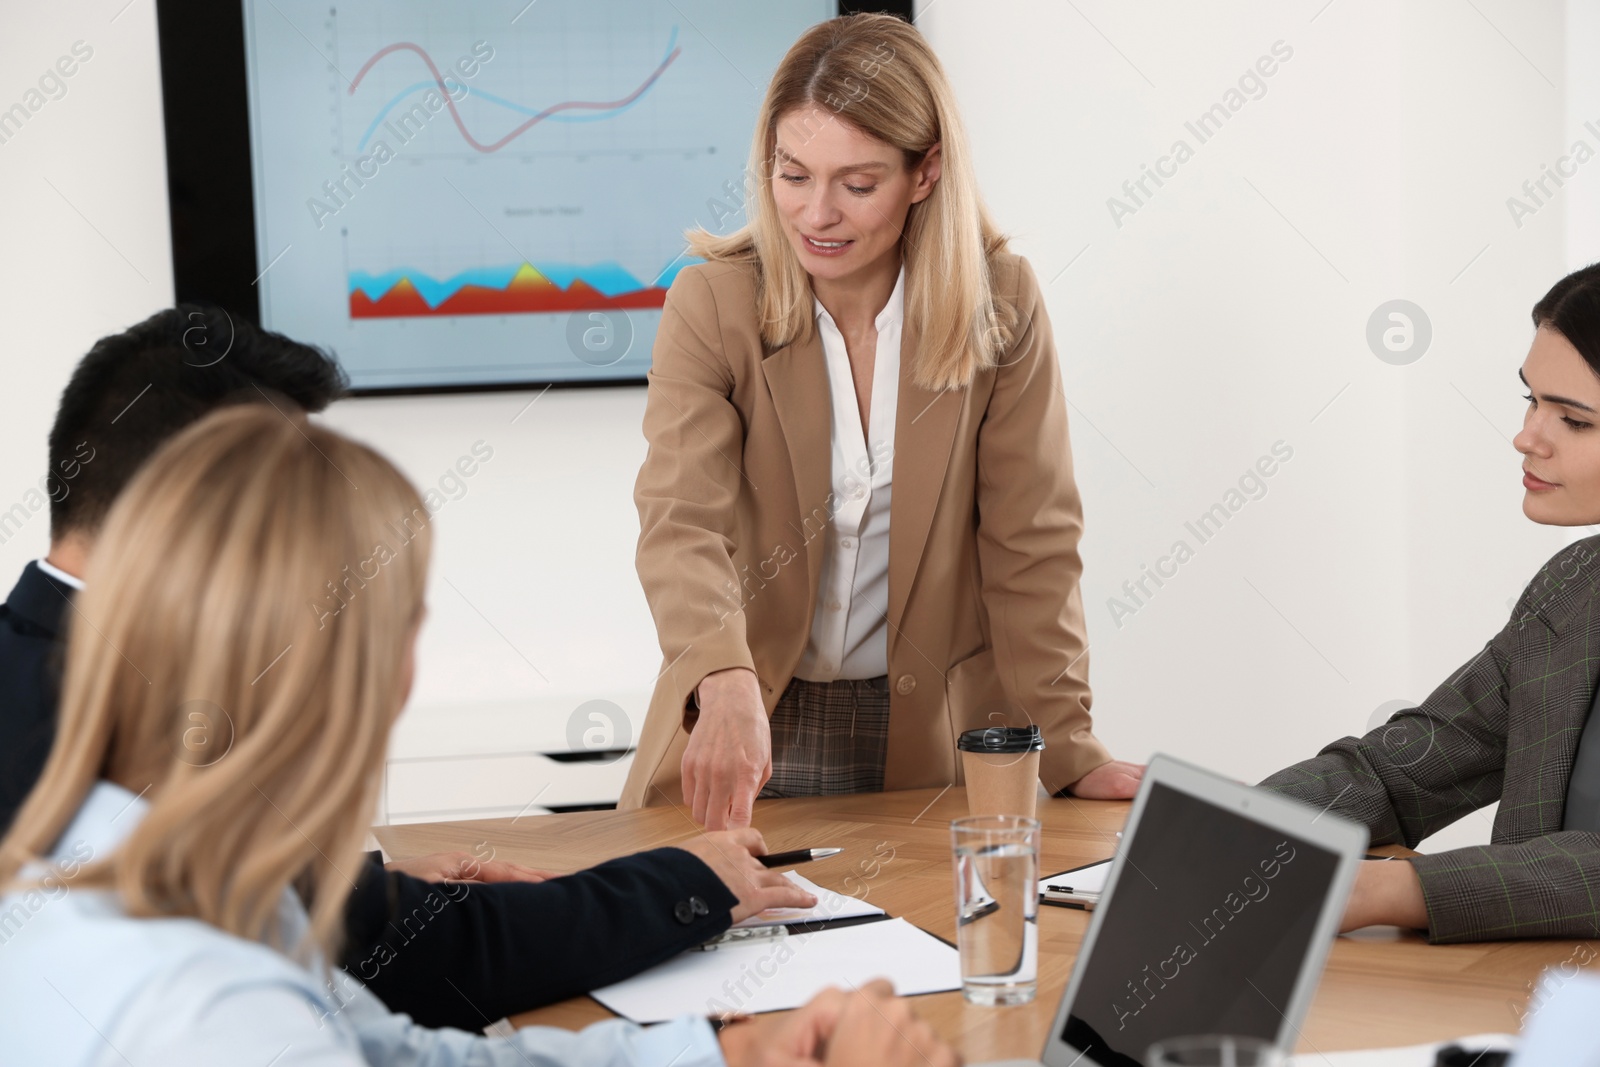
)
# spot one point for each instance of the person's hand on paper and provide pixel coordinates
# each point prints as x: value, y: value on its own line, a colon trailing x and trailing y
x: 729, y: 755
x: 731, y: 855
x: 869, y: 1027
x: 465, y: 867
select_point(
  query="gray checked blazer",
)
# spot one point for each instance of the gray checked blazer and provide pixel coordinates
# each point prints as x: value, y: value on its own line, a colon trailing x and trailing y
x: 1504, y: 727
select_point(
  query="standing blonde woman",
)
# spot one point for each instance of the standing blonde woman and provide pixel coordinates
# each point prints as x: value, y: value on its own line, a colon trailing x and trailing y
x: 221, y: 741
x: 866, y: 336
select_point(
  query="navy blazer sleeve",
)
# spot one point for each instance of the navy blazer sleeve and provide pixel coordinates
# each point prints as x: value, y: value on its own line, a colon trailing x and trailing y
x: 466, y: 954
x: 30, y: 675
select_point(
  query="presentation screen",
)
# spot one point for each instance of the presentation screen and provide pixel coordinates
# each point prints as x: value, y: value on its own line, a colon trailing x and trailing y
x: 492, y: 194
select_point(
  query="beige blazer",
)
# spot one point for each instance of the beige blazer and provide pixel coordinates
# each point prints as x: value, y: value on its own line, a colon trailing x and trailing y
x: 735, y: 494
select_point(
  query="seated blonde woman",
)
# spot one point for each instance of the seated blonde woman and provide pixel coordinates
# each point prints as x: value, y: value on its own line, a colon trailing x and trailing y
x: 163, y: 909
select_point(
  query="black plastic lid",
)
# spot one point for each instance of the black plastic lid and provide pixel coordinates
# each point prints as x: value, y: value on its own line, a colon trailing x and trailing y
x: 1002, y: 739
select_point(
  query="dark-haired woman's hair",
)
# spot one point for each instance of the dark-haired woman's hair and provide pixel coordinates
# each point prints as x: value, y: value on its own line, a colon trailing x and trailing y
x: 1572, y: 309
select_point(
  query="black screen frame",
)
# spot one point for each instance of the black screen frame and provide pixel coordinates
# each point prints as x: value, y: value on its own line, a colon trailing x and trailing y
x: 1294, y: 818
x: 210, y: 183
x: 1125, y: 922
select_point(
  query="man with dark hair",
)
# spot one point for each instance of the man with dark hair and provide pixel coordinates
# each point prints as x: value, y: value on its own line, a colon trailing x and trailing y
x: 137, y: 388
x: 485, y: 950
x: 132, y: 392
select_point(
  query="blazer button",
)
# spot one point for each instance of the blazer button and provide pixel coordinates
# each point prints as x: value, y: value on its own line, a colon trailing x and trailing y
x: 698, y: 906
x: 683, y: 912
x: 906, y: 685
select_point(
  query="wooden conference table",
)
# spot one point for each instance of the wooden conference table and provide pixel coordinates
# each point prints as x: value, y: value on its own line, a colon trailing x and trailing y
x: 1381, y: 987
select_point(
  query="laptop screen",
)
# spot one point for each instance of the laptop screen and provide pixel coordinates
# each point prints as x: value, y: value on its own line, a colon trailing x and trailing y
x: 1205, y: 932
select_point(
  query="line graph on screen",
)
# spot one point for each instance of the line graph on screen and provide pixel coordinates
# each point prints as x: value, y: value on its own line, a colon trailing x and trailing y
x: 470, y: 189
x: 450, y: 88
x: 544, y: 143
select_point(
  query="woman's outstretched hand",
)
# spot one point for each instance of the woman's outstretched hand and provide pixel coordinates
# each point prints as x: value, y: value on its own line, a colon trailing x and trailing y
x: 729, y: 756
x: 735, y: 857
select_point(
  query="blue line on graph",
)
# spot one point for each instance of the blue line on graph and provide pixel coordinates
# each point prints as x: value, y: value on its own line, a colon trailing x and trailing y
x: 491, y: 98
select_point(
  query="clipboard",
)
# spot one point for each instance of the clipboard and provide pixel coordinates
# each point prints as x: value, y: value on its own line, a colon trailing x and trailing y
x: 1084, y: 897
x: 833, y: 910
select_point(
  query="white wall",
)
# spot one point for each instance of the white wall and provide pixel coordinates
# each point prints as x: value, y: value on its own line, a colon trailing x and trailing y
x: 83, y: 220
x: 1231, y: 309
x: 1221, y: 317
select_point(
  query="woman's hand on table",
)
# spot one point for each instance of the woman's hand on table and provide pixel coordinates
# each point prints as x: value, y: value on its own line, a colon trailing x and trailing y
x: 1386, y: 893
x: 869, y: 1027
x: 1117, y: 780
x: 732, y: 856
x: 729, y: 755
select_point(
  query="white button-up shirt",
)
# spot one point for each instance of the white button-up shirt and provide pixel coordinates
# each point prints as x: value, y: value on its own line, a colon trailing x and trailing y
x: 850, y: 627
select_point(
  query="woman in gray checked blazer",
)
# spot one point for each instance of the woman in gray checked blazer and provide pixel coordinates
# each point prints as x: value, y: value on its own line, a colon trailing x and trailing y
x: 1516, y: 723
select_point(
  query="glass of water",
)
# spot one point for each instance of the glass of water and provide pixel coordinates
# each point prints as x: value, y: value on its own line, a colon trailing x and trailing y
x: 997, y: 907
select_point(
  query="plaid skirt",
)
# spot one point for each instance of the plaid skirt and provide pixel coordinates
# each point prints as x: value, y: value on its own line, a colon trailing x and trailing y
x: 829, y: 738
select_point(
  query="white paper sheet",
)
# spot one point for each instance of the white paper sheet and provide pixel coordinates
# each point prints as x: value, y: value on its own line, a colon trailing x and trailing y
x: 1087, y: 880
x: 830, y: 905
x: 781, y: 974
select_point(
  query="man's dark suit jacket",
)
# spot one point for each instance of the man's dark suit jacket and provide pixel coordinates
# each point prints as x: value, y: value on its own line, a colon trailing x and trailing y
x: 447, y: 955
x: 1504, y: 727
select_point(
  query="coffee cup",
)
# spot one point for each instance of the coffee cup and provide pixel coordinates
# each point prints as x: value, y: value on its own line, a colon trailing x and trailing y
x: 1001, y: 766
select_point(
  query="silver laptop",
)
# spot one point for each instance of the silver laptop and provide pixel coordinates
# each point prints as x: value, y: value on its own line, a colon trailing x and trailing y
x: 1217, y: 916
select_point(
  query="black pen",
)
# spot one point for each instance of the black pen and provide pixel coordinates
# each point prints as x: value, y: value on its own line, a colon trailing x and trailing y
x: 799, y: 855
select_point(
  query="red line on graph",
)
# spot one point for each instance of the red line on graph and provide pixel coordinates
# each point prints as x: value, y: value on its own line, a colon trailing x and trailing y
x: 567, y: 105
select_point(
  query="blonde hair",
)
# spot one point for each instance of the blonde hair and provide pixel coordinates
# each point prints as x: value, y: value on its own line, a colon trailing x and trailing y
x: 207, y: 659
x: 877, y: 73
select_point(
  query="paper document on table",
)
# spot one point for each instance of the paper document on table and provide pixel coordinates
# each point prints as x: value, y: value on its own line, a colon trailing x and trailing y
x: 1085, y: 880
x: 1410, y: 1056
x: 787, y: 972
x: 830, y: 905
